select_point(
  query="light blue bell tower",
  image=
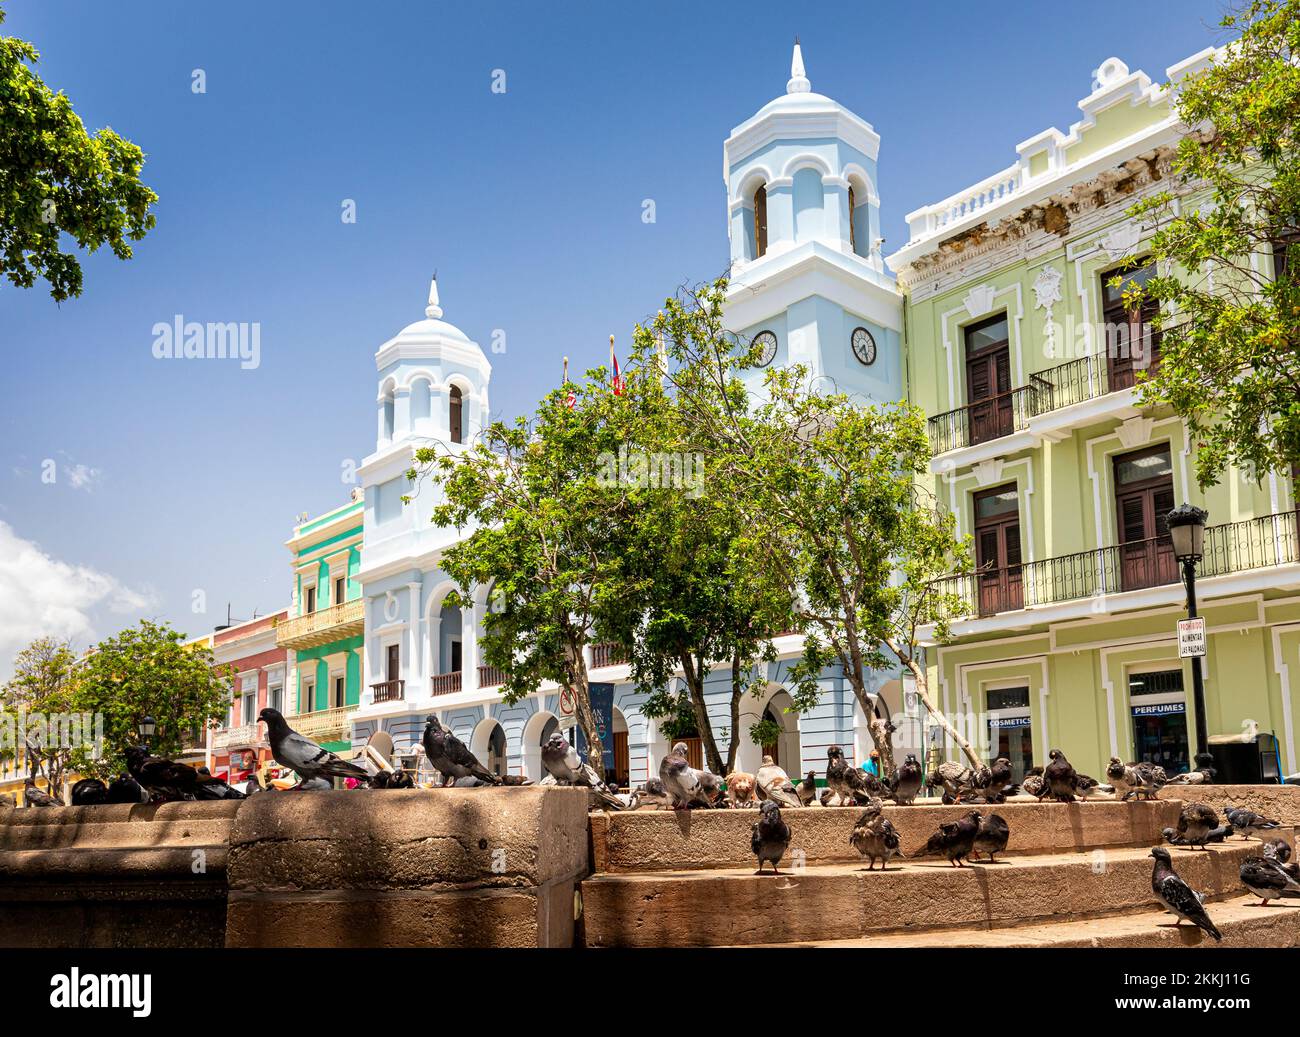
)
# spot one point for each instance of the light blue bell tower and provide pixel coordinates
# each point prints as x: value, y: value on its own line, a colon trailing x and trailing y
x: 807, y: 279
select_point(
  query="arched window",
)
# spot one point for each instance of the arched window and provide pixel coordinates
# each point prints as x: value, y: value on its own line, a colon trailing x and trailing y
x: 760, y: 221
x: 457, y: 428
x: 853, y: 233
x: 389, y: 414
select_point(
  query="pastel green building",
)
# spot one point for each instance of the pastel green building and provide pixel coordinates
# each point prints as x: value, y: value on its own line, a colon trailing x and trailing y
x: 1025, y: 358
x: 325, y: 631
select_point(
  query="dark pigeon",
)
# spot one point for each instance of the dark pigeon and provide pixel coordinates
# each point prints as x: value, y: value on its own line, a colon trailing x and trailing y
x: 1247, y: 822
x: 851, y: 784
x: 1215, y: 835
x: 1061, y: 781
x: 450, y: 756
x: 303, y: 756
x: 1195, y: 823
x: 34, y: 797
x: 125, y: 789
x: 89, y: 792
x: 954, y: 840
x: 806, y: 790
x: 907, y: 782
x: 769, y: 836
x: 1177, y: 895
x: 992, y: 836
x: 1267, y: 879
x: 875, y: 838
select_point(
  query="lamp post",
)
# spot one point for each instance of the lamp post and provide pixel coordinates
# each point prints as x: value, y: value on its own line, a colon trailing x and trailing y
x: 1187, y: 532
x: 146, y: 729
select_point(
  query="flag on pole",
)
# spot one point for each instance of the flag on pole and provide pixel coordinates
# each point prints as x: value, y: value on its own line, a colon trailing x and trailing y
x: 617, y: 381
x: 570, y: 397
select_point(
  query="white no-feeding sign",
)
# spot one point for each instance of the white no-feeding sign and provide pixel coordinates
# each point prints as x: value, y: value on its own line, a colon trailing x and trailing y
x: 1191, y: 638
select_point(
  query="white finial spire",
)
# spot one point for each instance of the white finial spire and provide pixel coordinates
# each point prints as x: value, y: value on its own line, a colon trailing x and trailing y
x: 433, y: 311
x: 798, y: 81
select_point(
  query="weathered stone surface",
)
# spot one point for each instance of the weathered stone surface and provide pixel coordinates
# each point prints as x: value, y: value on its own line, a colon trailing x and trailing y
x: 717, y: 908
x: 651, y: 840
x: 1280, y: 802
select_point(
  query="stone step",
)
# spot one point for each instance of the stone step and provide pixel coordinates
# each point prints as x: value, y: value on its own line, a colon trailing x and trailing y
x: 1241, y: 920
x: 660, y: 840
x: 845, y: 901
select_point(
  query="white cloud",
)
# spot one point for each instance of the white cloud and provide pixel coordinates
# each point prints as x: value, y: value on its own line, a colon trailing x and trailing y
x: 40, y: 596
x: 83, y: 477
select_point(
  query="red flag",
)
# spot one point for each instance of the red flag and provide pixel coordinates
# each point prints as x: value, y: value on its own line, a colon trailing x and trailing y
x: 617, y: 381
x: 570, y: 397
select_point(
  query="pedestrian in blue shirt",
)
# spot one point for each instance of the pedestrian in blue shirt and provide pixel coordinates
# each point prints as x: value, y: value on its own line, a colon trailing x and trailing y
x: 872, y: 764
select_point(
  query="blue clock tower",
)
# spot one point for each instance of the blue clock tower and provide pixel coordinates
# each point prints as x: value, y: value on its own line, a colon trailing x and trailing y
x: 807, y: 278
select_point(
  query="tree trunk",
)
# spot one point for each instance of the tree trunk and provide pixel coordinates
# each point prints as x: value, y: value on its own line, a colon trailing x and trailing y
x: 923, y: 691
x: 880, y: 735
x: 695, y: 689
x: 737, y: 693
x: 585, y: 714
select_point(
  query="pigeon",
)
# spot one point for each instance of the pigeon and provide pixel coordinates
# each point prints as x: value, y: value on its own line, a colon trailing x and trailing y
x: 651, y: 793
x: 740, y: 785
x: 806, y: 790
x: 34, y: 797
x: 851, y: 784
x: 471, y: 782
x: 1247, y: 822
x: 1062, y: 781
x: 398, y: 778
x: 1279, y: 849
x: 209, y: 787
x: 1204, y: 774
x: 712, y: 793
x: 1033, y: 783
x: 978, y: 785
x: 1267, y: 879
x: 954, y: 840
x: 302, y: 755
x: 125, y: 789
x: 89, y: 792
x: 1176, y: 895
x: 992, y: 835
x: 875, y: 838
x: 773, y: 783
x: 907, y: 782
x: 166, y: 780
x: 1215, y: 835
x: 1135, y: 779
x: 317, y: 784
x: 952, y: 777
x: 1195, y: 823
x: 1091, y: 787
x: 769, y: 837
x: 681, y: 780
x: 825, y: 797
x: 451, y: 758
x: 516, y: 780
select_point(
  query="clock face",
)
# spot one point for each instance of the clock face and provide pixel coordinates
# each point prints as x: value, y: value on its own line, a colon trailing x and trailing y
x: 864, y: 346
x: 765, y: 343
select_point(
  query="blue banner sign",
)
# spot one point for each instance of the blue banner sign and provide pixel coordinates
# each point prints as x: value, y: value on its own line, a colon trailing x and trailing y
x: 1161, y: 709
x: 602, y: 704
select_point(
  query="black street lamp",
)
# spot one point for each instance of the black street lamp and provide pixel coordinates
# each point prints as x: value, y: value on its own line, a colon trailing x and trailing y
x: 1187, y: 532
x: 146, y: 729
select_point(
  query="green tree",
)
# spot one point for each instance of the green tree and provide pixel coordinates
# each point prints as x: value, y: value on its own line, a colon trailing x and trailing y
x: 546, y: 519
x: 55, y: 179
x: 1229, y: 348
x: 833, y: 505
x: 148, y: 670
x: 42, y: 686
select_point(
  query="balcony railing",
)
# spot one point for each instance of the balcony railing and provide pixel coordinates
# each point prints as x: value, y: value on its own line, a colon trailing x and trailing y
x: 1076, y: 381
x: 327, y: 725
x: 1233, y: 547
x: 490, y: 676
x: 346, y: 619
x: 445, y: 683
x: 607, y: 654
x: 243, y: 736
x: 389, y: 691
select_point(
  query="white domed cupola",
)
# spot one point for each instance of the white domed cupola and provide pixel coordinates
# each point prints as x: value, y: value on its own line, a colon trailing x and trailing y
x: 802, y: 169
x: 433, y: 382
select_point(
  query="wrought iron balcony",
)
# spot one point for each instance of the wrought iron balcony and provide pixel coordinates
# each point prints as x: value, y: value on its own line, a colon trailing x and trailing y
x: 389, y: 691
x: 1233, y: 547
x: 347, y: 619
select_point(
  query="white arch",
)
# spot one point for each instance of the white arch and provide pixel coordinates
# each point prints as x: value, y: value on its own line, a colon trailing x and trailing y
x: 754, y: 177
x: 421, y: 374
x: 805, y: 160
x: 749, y: 757
x: 480, y: 742
x: 861, y: 180
x: 532, y: 743
x: 386, y: 389
x: 461, y: 382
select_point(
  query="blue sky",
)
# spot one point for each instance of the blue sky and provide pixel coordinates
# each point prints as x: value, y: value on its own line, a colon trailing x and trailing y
x: 172, y: 478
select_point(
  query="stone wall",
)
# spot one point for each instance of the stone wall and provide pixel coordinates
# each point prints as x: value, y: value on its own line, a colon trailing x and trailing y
x: 421, y: 868
x: 1280, y: 802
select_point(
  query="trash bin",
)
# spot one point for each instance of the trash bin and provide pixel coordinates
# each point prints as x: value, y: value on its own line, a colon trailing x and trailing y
x: 1253, y: 761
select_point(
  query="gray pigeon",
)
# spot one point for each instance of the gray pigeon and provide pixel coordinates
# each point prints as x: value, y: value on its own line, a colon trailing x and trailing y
x: 681, y: 780
x: 302, y: 755
x: 1247, y: 822
x: 769, y: 837
x: 450, y: 756
x: 1267, y: 879
x: 771, y: 782
x: 34, y: 797
x: 1143, y: 780
x: 651, y: 793
x: 875, y: 838
x: 992, y: 837
x: 1195, y: 823
x: 954, y: 840
x: 806, y: 790
x: 1215, y: 835
x: 1177, y: 896
x: 907, y: 782
x: 851, y: 784
x: 563, y: 763
x: 317, y: 784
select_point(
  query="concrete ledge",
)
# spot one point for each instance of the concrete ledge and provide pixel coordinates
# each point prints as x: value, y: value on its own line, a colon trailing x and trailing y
x: 476, y: 867
x: 1280, y: 802
x: 840, y: 902
x: 654, y: 840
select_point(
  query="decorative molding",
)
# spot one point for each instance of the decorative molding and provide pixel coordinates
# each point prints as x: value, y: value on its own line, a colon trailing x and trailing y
x: 1047, y: 289
x: 979, y: 300
x: 1135, y: 432
x: 1121, y: 239
x: 988, y: 472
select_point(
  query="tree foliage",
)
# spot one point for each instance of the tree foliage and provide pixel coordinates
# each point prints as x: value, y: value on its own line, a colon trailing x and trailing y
x: 55, y: 179
x: 1229, y: 351
x: 43, y: 683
